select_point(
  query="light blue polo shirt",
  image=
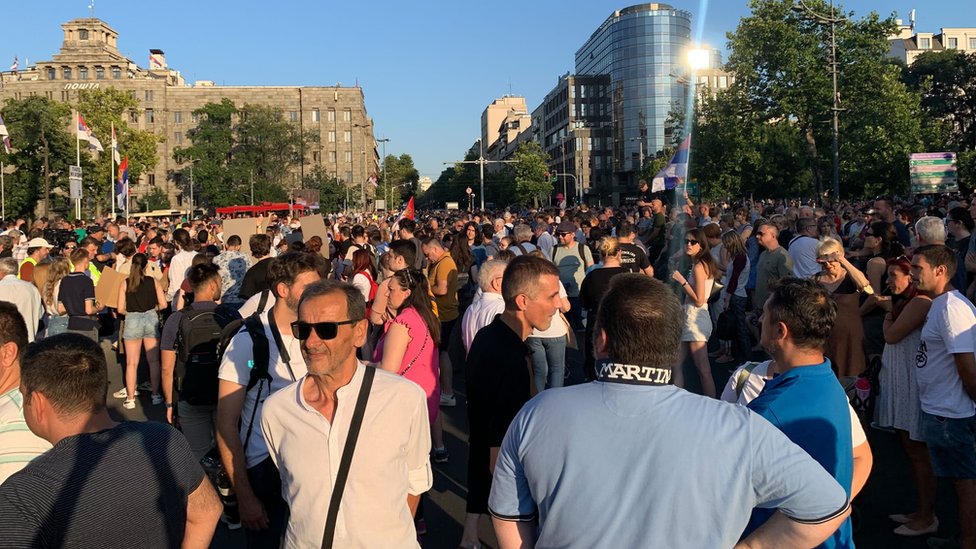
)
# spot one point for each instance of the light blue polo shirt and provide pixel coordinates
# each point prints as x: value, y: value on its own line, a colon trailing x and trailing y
x: 615, y: 465
x: 810, y: 407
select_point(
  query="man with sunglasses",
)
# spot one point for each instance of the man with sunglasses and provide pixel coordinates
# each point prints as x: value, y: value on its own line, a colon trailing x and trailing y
x: 307, y: 425
x: 572, y: 259
x: 243, y: 450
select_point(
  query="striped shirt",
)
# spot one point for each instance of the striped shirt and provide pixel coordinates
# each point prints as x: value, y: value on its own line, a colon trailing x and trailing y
x: 18, y: 445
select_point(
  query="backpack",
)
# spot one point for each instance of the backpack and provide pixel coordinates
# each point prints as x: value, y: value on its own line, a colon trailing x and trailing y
x: 198, y: 352
x: 373, y: 286
x: 579, y: 250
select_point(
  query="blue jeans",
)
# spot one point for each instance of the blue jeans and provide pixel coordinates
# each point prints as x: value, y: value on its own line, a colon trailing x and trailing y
x: 548, y: 361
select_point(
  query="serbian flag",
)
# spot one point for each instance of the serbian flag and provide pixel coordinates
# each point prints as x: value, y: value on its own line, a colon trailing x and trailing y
x: 408, y: 213
x: 4, y: 136
x: 122, y: 184
x: 86, y: 134
x: 676, y: 171
x: 115, y: 147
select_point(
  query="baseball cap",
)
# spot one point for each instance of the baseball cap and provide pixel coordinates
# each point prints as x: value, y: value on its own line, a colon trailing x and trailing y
x: 39, y: 243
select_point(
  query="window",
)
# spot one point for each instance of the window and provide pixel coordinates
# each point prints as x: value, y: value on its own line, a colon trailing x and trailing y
x: 51, y: 73
x: 66, y: 72
x: 331, y: 137
x: 972, y: 43
x: 133, y: 117
x: 347, y: 136
x: 293, y: 116
x: 99, y: 73
x: 149, y: 95
x: 150, y: 116
x: 316, y: 116
x: 316, y: 156
x: 924, y: 43
x: 953, y: 43
x: 178, y: 138
x: 49, y: 95
x: 348, y: 157
x: 65, y: 96
x: 178, y: 117
x: 332, y: 157
x: 82, y: 73
x: 116, y: 73
x: 346, y: 115
x: 151, y: 179
x: 331, y: 115
x: 83, y: 34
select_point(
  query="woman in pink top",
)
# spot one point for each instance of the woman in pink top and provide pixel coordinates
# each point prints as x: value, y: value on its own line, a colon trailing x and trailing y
x: 408, y: 346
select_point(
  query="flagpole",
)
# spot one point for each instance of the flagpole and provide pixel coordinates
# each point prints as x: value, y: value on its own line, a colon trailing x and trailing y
x: 78, y: 159
x: 111, y: 174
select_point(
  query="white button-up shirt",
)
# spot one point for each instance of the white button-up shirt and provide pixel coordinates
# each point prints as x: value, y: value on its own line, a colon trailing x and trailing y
x: 391, y: 460
x: 481, y: 313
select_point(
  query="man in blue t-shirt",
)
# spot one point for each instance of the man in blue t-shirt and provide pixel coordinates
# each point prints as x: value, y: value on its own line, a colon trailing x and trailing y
x: 569, y: 459
x: 806, y: 402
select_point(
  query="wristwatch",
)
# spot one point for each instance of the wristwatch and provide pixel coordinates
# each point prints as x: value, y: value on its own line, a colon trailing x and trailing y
x: 169, y: 405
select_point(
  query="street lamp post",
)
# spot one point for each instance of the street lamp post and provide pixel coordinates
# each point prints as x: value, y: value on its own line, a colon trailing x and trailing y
x: 832, y: 64
x: 386, y: 183
x: 481, y: 161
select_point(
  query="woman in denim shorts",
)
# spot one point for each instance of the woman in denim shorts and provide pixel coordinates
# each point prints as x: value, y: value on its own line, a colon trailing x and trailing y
x: 140, y: 296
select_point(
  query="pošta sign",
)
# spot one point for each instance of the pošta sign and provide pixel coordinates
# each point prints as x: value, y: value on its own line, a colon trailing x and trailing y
x: 933, y: 173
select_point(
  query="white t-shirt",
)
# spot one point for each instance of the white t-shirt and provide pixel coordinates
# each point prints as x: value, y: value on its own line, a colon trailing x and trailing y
x: 803, y: 252
x: 753, y: 384
x: 236, y: 368
x: 950, y: 328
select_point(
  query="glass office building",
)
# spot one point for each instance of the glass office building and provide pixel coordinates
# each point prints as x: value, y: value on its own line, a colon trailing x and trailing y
x: 640, y: 48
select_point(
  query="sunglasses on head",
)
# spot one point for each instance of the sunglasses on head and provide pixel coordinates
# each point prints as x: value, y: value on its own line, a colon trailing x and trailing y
x: 324, y: 330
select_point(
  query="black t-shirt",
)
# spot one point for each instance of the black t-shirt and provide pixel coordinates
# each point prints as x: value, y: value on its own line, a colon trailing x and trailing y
x: 255, y: 279
x: 498, y: 382
x: 122, y: 487
x: 76, y: 288
x: 633, y: 258
x: 596, y: 284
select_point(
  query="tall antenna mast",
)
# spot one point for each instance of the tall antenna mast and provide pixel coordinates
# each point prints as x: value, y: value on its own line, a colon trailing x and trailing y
x: 91, y: 8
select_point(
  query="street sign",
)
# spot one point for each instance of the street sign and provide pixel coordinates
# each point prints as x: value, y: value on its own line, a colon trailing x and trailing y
x: 74, y: 182
x: 933, y: 173
x: 691, y: 188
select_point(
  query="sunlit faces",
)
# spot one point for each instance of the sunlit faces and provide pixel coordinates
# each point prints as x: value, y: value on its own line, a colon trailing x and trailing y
x: 327, y: 357
x: 396, y: 294
x: 925, y: 275
x: 543, y: 303
x: 898, y: 280
x: 294, y: 292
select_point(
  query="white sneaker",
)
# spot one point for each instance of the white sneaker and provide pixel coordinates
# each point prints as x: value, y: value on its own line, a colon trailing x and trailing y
x: 157, y: 399
x: 129, y: 404
x: 122, y: 394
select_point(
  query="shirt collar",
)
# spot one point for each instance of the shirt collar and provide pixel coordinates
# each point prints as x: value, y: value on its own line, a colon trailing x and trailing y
x: 803, y: 371
x: 354, y: 383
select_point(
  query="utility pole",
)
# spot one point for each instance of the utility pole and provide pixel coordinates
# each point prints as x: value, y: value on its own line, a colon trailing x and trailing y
x: 386, y: 182
x: 481, y: 161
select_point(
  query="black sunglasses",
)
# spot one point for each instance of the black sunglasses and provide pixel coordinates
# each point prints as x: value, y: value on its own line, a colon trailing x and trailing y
x: 691, y: 242
x: 325, y: 330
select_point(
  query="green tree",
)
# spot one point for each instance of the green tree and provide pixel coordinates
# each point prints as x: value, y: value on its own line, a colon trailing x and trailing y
x: 400, y: 179
x: 947, y: 83
x: 780, y: 60
x: 103, y: 108
x: 156, y: 199
x: 212, y: 142
x: 269, y: 149
x: 42, y: 151
x: 332, y: 193
x: 531, y: 167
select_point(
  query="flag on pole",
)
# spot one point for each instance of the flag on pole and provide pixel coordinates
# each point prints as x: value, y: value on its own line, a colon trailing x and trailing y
x: 4, y: 136
x: 15, y: 65
x: 115, y: 147
x: 86, y: 134
x: 122, y: 184
x: 408, y: 213
x: 676, y: 171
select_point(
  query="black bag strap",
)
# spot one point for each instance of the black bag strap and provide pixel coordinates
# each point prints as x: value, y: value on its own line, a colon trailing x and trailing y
x: 263, y: 300
x: 347, y: 451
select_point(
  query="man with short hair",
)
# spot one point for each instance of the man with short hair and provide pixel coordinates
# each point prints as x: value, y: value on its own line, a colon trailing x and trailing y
x: 233, y: 264
x: 632, y: 257
x: 18, y: 445
x: 307, y: 425
x: 243, y: 450
x: 407, y: 228
x: 884, y: 208
x: 657, y: 234
x: 499, y: 378
x: 23, y: 295
x: 930, y: 230
x: 103, y: 484
x: 796, y: 322
x: 572, y: 259
x: 543, y: 240
x: 442, y: 274
x: 946, y: 377
x: 256, y: 278
x: 803, y: 248
x: 523, y: 240
x: 545, y: 468
x: 37, y: 250
x: 487, y: 305
x: 774, y: 263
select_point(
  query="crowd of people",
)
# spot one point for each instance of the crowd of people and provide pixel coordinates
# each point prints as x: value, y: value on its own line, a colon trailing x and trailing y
x: 302, y: 376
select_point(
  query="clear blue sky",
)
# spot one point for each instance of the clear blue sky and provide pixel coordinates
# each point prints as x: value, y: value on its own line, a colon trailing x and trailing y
x: 428, y: 67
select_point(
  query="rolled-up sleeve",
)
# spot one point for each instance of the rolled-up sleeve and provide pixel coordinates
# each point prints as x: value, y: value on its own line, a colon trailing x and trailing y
x: 786, y: 478
x: 511, y: 498
x: 419, y: 475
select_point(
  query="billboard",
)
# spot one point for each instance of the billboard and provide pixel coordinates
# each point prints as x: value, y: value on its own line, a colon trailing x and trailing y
x: 933, y: 173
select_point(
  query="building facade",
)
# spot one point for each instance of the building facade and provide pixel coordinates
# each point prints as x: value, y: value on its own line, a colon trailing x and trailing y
x: 640, y: 49
x: 906, y: 44
x: 90, y: 59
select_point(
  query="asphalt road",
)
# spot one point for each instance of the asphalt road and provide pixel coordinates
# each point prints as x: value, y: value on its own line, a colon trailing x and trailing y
x: 889, y: 489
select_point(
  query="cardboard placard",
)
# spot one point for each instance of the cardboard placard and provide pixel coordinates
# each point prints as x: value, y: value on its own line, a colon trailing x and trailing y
x: 107, y: 289
x: 314, y: 225
x: 243, y: 227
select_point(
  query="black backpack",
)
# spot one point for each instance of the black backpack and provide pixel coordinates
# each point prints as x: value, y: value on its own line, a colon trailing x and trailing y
x: 198, y: 352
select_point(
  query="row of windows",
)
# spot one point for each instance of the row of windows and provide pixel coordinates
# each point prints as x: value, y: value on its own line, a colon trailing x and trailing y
x: 67, y: 73
x: 951, y: 43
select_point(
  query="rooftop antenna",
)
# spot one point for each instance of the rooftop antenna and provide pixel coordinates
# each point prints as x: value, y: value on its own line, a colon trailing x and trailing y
x: 91, y: 8
x: 509, y: 85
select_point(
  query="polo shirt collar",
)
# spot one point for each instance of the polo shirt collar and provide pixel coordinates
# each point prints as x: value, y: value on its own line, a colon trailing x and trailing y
x: 341, y: 393
x: 802, y: 371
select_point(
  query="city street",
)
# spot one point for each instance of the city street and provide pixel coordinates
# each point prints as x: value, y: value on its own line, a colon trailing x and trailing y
x: 889, y: 489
